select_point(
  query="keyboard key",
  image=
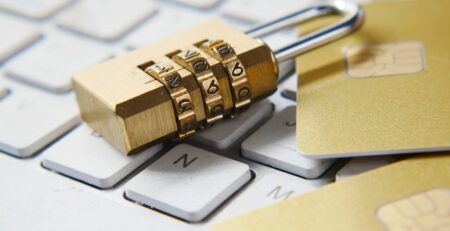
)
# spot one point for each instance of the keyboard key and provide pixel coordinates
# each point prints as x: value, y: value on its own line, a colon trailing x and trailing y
x: 107, y: 21
x: 50, y: 63
x: 33, y: 199
x: 85, y: 156
x: 31, y: 119
x: 16, y: 35
x: 38, y: 9
x: 256, y: 11
x: 231, y: 131
x: 166, y: 22
x: 199, y: 3
x: 289, y: 87
x: 274, y: 144
x: 268, y: 190
x: 362, y: 164
x: 188, y: 182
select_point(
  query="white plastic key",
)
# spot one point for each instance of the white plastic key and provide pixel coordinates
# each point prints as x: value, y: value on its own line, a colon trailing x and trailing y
x: 50, y: 63
x: 229, y: 132
x: 85, y: 156
x: 166, y: 22
x: 37, y: 9
x: 106, y: 20
x: 39, y: 200
x: 274, y: 144
x: 32, y: 118
x: 16, y: 35
x: 289, y: 87
x: 188, y: 182
x: 268, y: 190
x: 362, y: 164
x: 199, y: 3
x: 257, y: 11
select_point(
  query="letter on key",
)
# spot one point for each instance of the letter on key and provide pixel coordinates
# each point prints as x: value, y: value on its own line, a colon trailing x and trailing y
x: 188, y: 182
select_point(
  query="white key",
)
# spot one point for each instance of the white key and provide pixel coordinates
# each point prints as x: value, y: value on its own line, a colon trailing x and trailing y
x: 362, y: 164
x: 37, y: 9
x: 274, y: 144
x: 39, y: 200
x: 85, y: 156
x: 50, y: 63
x: 16, y: 35
x: 188, y: 182
x: 289, y: 87
x: 31, y: 119
x: 199, y: 3
x: 166, y: 22
x: 231, y: 131
x: 268, y: 190
x: 106, y: 20
x: 257, y: 11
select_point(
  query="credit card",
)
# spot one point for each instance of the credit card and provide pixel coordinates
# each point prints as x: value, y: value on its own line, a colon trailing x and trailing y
x: 385, y: 89
x: 411, y: 194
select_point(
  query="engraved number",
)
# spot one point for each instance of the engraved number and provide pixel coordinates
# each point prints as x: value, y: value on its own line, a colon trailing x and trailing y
x: 173, y: 81
x: 237, y: 69
x: 184, y: 105
x: 213, y: 87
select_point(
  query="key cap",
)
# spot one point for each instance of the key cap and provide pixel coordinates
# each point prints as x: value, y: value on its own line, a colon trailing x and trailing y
x: 51, y: 62
x: 199, y: 3
x: 166, y: 22
x: 362, y: 164
x: 16, y: 35
x: 255, y: 11
x: 274, y: 144
x: 106, y: 21
x: 268, y: 190
x: 38, y: 200
x: 85, y: 156
x: 31, y: 119
x: 38, y: 9
x: 188, y: 182
x: 231, y: 131
x: 289, y: 87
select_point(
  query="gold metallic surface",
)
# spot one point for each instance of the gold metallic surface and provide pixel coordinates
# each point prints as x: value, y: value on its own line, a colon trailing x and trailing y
x: 193, y: 61
x: 182, y: 102
x: 225, y: 53
x: 133, y: 110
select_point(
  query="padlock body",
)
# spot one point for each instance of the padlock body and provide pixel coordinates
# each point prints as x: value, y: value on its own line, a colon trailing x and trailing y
x: 133, y: 110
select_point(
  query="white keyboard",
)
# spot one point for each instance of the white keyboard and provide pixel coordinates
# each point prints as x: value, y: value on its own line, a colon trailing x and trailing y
x: 58, y: 174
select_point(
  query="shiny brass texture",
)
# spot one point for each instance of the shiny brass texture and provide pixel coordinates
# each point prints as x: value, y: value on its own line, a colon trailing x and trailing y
x: 182, y: 102
x: 193, y: 61
x: 239, y: 85
x: 132, y: 109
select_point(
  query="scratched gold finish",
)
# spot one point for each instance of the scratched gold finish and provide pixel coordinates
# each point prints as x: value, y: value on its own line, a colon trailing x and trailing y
x: 134, y: 104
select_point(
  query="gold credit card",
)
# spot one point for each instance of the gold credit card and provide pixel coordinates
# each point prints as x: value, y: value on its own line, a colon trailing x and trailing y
x: 385, y: 89
x: 412, y: 194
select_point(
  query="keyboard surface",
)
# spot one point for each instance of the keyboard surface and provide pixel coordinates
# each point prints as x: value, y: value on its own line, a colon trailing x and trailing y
x: 58, y: 174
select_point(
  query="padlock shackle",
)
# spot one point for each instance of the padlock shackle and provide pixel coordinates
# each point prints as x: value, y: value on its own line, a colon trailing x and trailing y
x: 354, y: 17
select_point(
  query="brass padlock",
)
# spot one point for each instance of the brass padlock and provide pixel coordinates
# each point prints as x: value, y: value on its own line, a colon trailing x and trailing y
x: 170, y: 89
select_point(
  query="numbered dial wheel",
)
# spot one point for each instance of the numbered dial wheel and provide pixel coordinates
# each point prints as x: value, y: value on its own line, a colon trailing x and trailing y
x: 194, y: 61
x: 182, y: 102
x: 240, y: 87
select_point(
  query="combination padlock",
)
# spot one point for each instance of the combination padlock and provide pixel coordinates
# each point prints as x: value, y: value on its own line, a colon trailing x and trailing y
x: 170, y: 89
